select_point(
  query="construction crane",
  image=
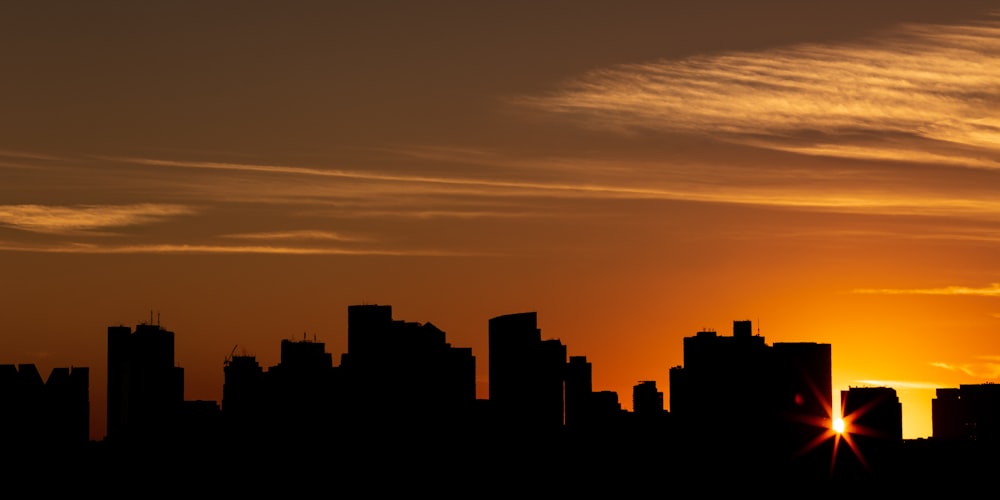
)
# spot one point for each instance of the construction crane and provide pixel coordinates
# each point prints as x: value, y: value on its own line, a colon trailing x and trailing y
x: 229, y: 358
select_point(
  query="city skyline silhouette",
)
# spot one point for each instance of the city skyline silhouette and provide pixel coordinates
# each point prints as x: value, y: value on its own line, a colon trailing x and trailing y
x: 739, y: 407
x: 634, y: 172
x: 158, y: 352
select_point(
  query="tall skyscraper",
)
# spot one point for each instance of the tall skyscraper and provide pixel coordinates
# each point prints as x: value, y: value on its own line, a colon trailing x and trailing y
x: 367, y: 327
x: 801, y: 401
x: 245, y: 403
x: 579, y: 393
x: 526, y: 375
x: 145, y: 389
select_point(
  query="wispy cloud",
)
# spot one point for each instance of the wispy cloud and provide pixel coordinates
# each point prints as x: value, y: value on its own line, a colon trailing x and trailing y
x: 296, y: 235
x: 457, y: 184
x: 68, y: 219
x: 993, y: 290
x: 987, y: 368
x: 899, y: 384
x: 507, y: 187
x: 417, y: 213
x: 672, y: 187
x: 923, y: 93
x: 966, y: 369
x: 86, y: 248
x: 923, y: 233
x: 28, y: 155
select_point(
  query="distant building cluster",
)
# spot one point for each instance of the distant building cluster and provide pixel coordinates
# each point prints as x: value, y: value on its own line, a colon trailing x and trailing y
x: 969, y: 413
x: 397, y: 378
x: 145, y: 392
x: 52, y: 412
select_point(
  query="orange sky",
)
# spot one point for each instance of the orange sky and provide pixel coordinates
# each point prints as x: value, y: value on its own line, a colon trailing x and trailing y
x: 633, y: 171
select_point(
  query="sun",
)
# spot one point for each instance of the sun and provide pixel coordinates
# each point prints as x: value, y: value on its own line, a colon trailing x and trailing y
x: 838, y: 430
x: 838, y: 425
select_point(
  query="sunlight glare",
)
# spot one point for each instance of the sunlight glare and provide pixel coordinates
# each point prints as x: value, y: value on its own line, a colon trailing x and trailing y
x: 838, y: 425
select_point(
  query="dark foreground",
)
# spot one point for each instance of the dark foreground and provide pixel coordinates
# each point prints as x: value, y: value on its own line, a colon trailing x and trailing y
x: 493, y: 465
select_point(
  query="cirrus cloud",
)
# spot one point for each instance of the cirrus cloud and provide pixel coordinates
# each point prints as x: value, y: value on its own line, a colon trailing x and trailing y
x: 987, y: 367
x: 899, y: 384
x: 923, y: 93
x: 200, y: 249
x: 68, y: 219
x: 993, y: 290
x: 304, y: 234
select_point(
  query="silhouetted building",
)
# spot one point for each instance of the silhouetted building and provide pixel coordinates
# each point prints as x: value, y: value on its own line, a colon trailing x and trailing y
x: 947, y: 415
x: 647, y: 399
x: 305, y: 393
x: 145, y: 389
x: 722, y: 381
x: 367, y: 327
x: 526, y: 375
x: 873, y: 411
x: 720, y: 391
x: 244, y: 398
x: 54, y: 413
x: 873, y: 420
x: 551, y: 371
x: 398, y: 380
x: 606, y: 411
x: 579, y: 394
x: 297, y: 404
x: 969, y: 413
x: 649, y: 418
x: 404, y: 375
x: 741, y: 402
x: 67, y: 394
x: 802, y: 397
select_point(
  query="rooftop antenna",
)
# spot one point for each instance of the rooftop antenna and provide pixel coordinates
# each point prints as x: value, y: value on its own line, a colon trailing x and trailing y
x: 157, y: 318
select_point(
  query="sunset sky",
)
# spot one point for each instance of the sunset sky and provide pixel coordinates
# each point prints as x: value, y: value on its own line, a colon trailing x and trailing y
x: 635, y: 172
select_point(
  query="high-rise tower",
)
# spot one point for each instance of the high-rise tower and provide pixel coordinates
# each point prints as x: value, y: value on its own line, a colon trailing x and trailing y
x: 145, y: 389
x: 526, y: 374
